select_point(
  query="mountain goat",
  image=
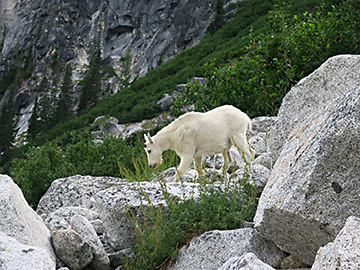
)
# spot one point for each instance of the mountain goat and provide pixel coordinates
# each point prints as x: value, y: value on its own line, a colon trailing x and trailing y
x: 195, y: 134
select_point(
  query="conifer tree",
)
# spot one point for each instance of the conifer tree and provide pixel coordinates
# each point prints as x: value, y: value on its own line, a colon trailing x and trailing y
x: 34, y: 122
x: 7, y: 127
x: 63, y: 108
x: 45, y: 110
x: 219, y: 17
x: 125, y: 65
x: 91, y: 84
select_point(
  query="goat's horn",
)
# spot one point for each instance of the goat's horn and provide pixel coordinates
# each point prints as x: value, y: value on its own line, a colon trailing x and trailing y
x: 142, y: 142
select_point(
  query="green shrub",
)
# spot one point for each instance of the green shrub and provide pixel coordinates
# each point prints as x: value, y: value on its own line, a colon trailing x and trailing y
x: 162, y: 233
x: 291, y: 47
x: 73, y: 153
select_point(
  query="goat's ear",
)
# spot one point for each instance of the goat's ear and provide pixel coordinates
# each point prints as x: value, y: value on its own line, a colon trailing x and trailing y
x: 149, y: 137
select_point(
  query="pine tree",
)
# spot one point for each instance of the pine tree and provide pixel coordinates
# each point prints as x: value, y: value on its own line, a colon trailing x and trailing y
x: 91, y: 84
x: 34, y: 122
x: 63, y: 107
x: 7, y: 127
x: 219, y: 17
x: 125, y: 65
x: 45, y: 110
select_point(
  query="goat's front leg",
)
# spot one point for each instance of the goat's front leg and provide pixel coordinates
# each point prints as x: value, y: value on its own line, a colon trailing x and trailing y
x: 184, y: 165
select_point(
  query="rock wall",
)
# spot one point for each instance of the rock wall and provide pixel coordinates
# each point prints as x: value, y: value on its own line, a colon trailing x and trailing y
x: 153, y: 31
x: 57, y: 32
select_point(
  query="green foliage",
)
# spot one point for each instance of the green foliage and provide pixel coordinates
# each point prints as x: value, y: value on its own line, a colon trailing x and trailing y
x: 91, y: 84
x: 34, y: 123
x: 63, y: 106
x: 74, y: 153
x: 44, y: 110
x: 138, y: 101
x: 291, y: 48
x: 7, y: 127
x: 125, y: 65
x: 140, y: 170
x: 162, y: 233
x: 219, y: 17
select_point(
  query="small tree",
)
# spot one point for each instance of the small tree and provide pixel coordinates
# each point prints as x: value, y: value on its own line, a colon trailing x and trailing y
x: 91, y: 84
x: 63, y: 108
x: 46, y: 115
x: 34, y: 122
x: 7, y: 127
x: 218, y: 19
x: 125, y: 65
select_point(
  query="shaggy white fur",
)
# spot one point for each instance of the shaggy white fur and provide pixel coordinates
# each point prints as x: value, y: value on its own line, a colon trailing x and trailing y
x: 195, y: 134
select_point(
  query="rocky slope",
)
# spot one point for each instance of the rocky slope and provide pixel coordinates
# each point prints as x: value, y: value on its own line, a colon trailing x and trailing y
x: 54, y: 33
x: 153, y: 31
x: 307, y: 210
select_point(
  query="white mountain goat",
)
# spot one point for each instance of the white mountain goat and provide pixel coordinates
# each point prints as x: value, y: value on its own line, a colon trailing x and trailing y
x: 195, y: 134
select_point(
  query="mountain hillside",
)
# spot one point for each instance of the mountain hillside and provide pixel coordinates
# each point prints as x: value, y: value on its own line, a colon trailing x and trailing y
x: 51, y: 93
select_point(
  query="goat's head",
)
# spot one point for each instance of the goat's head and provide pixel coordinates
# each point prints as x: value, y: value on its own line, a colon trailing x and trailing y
x: 153, y: 152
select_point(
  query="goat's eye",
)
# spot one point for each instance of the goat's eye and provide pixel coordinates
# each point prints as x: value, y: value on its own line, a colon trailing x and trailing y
x: 149, y: 151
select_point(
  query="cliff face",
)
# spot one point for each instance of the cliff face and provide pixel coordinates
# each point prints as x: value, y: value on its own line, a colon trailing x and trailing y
x: 6, y: 14
x: 153, y: 31
x: 54, y: 33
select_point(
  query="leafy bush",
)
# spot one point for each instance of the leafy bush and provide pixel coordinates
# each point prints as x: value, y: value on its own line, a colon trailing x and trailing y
x: 291, y: 48
x: 74, y: 153
x: 164, y: 232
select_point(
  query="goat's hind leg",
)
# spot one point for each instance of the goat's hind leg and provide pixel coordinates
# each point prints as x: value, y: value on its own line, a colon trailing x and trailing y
x: 241, y: 143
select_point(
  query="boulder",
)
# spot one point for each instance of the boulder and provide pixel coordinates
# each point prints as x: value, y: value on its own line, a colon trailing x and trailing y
x: 19, y: 220
x: 265, y: 159
x: 61, y: 217
x: 73, y: 191
x: 255, y: 174
x: 338, y: 75
x: 262, y: 124
x: 85, y: 229
x: 344, y: 252
x: 314, y: 187
x: 248, y: 261
x: 71, y: 249
x: 213, y: 249
x: 17, y: 256
x: 114, y: 203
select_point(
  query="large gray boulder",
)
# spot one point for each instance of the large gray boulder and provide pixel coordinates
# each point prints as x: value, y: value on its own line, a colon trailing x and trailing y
x: 74, y: 191
x: 337, y: 76
x: 19, y: 220
x: 314, y: 185
x: 213, y: 249
x: 114, y: 204
x: 17, y: 256
x: 344, y: 252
